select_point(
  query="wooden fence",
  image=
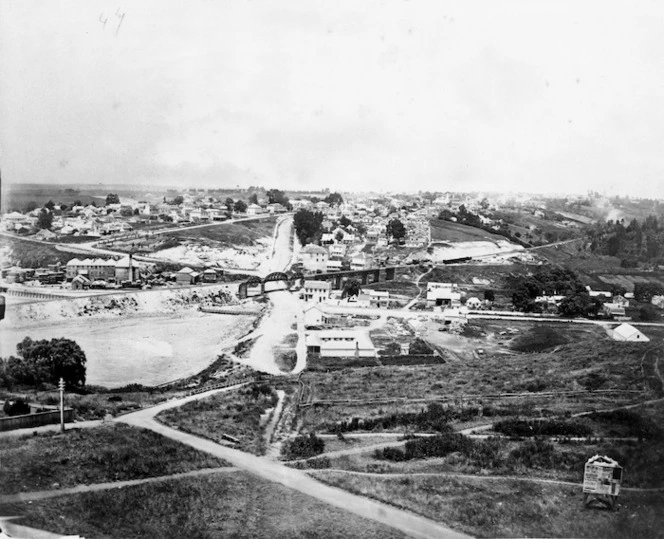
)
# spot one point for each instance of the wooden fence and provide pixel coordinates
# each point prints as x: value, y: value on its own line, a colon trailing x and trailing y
x: 34, y: 420
x: 461, y: 398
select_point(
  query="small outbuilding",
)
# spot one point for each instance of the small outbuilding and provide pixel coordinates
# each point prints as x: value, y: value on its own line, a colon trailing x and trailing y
x: 628, y: 333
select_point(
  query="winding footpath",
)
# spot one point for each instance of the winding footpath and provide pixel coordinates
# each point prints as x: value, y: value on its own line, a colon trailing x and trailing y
x: 413, y: 525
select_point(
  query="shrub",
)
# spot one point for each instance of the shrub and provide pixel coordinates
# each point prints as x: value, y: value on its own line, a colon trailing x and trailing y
x: 17, y: 407
x: 303, y: 447
x: 525, y: 428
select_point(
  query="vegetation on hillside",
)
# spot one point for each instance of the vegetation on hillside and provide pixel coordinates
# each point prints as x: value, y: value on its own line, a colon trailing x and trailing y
x: 637, y: 242
x: 44, y: 362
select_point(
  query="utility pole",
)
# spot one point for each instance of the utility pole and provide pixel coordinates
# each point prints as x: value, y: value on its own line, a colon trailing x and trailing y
x: 61, y: 386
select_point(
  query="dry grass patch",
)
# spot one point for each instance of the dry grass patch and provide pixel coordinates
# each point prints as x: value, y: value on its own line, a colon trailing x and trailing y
x: 509, y: 508
x: 232, y: 413
x: 235, y: 505
x: 83, y: 456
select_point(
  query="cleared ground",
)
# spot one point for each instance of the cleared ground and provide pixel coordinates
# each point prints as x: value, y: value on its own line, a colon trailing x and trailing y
x: 442, y: 231
x: 243, y: 233
x: 148, y: 350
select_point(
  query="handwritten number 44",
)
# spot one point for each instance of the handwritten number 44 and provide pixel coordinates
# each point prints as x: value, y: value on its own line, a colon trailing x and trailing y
x: 103, y: 20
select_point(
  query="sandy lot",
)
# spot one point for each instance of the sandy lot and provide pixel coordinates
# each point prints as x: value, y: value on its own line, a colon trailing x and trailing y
x: 147, y: 350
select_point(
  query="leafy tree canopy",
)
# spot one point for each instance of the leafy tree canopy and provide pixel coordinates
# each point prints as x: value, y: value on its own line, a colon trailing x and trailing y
x: 45, y: 219
x: 334, y: 199
x: 396, y: 229
x: 308, y: 226
x: 45, y: 361
x: 112, y: 198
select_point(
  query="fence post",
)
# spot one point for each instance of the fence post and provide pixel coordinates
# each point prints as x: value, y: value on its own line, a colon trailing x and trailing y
x: 61, y: 385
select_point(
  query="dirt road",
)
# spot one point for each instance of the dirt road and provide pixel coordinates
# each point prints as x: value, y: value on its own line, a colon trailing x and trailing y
x: 409, y: 523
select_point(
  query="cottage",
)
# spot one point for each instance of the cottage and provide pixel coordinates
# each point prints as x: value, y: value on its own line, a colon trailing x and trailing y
x: 474, y: 303
x: 314, y: 316
x: 613, y: 309
x: 443, y: 295
x: 186, y: 276
x: 208, y: 276
x: 80, y: 282
x: 379, y: 298
x: 316, y: 291
x: 334, y: 265
x: 340, y: 343
x: 627, y: 332
x: 337, y: 249
x: 361, y: 261
x: 254, y: 209
x: 313, y: 258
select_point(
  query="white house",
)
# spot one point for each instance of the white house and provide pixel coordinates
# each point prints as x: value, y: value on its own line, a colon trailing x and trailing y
x: 313, y: 258
x: 379, y: 298
x: 314, y: 316
x: 443, y: 295
x: 334, y: 265
x: 340, y: 343
x: 337, y: 249
x: 254, y: 209
x: 474, y: 303
x: 361, y: 261
x: 613, y: 309
x: 627, y: 332
x: 316, y: 291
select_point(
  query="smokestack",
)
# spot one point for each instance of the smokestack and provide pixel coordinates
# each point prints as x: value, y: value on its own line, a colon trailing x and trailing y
x: 131, y: 273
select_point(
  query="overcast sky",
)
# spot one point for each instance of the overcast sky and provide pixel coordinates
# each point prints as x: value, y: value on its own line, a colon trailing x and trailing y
x: 410, y: 95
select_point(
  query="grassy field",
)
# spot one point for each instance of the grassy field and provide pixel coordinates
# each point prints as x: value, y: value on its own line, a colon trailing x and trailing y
x: 97, y: 405
x: 237, y: 414
x: 586, y: 363
x: 236, y: 505
x: 243, y: 233
x: 107, y: 453
x: 17, y: 197
x: 510, y: 508
x: 449, y: 231
x: 29, y: 254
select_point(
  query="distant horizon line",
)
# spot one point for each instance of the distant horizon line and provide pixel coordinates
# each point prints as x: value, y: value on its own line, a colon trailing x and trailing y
x: 321, y: 190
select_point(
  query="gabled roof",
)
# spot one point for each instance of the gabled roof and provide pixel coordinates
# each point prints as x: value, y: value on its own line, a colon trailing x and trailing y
x: 314, y: 249
x: 318, y: 285
x: 627, y: 332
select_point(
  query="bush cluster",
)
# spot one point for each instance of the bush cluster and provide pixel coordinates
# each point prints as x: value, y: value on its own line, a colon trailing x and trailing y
x: 551, y: 427
x: 434, y: 418
x: 636, y: 425
x: 303, y: 447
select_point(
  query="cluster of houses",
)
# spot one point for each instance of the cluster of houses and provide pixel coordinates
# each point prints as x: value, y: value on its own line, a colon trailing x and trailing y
x: 613, y: 306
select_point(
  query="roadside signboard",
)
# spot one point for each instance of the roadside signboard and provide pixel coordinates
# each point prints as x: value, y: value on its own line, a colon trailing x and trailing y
x: 602, y: 477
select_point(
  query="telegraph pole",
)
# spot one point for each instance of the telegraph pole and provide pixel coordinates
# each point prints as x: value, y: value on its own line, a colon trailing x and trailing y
x: 61, y: 386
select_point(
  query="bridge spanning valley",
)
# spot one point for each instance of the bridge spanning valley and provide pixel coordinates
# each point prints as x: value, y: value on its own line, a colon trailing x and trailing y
x: 255, y: 286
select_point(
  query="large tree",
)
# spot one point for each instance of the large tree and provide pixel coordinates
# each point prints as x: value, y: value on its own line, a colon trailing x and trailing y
x: 46, y: 361
x: 45, y: 219
x: 334, y: 199
x: 351, y: 288
x: 396, y: 230
x: 112, y: 198
x: 308, y: 226
x: 240, y: 206
x: 275, y: 196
